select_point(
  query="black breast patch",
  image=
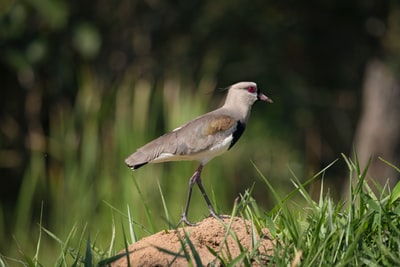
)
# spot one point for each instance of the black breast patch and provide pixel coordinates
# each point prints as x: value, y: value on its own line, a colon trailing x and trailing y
x: 237, y: 133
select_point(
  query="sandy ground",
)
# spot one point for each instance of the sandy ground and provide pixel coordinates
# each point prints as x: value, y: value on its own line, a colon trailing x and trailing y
x: 165, y: 248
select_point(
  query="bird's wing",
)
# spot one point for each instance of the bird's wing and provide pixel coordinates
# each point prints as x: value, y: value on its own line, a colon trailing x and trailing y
x: 188, y: 141
x: 204, y: 133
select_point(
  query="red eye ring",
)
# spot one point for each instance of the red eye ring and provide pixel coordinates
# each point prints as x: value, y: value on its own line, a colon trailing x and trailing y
x: 251, y: 89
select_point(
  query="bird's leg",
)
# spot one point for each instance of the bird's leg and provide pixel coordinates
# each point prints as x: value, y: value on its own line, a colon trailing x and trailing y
x: 196, y: 178
x: 192, y: 181
x: 210, y: 206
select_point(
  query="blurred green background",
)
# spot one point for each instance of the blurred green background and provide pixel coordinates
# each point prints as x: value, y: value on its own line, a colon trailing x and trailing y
x: 85, y: 83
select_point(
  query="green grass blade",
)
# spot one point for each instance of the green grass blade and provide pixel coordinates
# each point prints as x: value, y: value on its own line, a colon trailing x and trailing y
x: 36, y: 256
x: 146, y: 207
x: 195, y: 254
x: 239, y: 260
x: 269, y: 185
x: 390, y: 164
x: 144, y: 229
x: 307, y: 182
x: 113, y: 232
x: 126, y: 246
x: 395, y: 195
x: 131, y: 225
x: 176, y: 255
x: 88, y: 254
x: 166, y: 212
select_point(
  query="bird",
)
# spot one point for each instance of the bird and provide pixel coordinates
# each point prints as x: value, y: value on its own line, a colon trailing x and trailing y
x: 203, y: 138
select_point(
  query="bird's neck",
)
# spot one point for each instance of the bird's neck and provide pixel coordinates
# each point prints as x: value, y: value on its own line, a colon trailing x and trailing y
x: 239, y: 109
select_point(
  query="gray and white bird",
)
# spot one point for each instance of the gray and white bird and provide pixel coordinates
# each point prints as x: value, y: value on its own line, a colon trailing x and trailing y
x: 203, y: 138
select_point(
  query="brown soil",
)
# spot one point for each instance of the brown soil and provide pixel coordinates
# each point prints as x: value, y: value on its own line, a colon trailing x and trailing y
x: 165, y: 248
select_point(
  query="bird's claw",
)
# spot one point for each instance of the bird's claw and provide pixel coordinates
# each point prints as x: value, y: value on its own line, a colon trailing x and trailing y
x: 185, y: 220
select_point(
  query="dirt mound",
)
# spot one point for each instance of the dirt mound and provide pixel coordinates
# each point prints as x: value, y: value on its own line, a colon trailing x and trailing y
x: 166, y: 248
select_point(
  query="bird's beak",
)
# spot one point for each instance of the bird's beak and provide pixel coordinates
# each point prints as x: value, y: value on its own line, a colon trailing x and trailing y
x: 264, y: 98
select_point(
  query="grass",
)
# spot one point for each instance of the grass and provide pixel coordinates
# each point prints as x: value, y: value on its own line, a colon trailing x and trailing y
x: 365, y: 230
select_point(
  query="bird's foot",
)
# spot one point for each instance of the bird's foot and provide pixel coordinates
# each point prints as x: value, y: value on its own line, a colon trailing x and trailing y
x: 185, y: 220
x: 214, y: 214
x: 218, y: 216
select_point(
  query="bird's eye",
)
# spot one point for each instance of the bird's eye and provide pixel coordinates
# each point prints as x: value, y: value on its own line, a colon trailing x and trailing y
x: 251, y: 89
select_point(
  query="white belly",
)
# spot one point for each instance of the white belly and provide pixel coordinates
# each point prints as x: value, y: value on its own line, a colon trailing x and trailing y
x: 203, y: 156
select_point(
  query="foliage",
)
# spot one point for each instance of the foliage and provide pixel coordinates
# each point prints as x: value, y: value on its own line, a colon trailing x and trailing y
x: 364, y: 231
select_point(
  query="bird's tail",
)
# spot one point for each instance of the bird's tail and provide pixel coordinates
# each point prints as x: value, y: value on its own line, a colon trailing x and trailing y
x: 134, y: 162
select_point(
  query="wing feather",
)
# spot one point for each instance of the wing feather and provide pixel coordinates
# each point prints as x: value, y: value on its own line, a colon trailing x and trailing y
x: 187, y: 142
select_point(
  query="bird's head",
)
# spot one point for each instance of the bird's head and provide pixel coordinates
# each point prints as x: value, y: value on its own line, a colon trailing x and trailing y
x: 245, y: 92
